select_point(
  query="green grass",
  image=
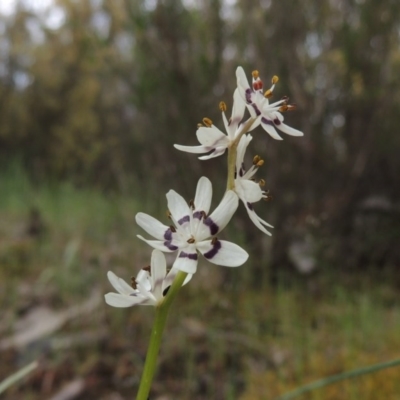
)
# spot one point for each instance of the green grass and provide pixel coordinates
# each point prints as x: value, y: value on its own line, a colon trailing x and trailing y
x: 224, y: 339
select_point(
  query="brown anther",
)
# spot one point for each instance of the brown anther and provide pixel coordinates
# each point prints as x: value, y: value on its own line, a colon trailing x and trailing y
x: 207, y: 122
x: 191, y: 240
x: 274, y: 79
x: 191, y: 204
x: 255, y: 74
x: 146, y: 269
x: 203, y: 214
x: 260, y: 163
x: 133, y: 282
x: 173, y: 230
x: 214, y: 240
x: 285, y: 99
x: 268, y: 93
x: 268, y: 198
x: 256, y: 159
x: 199, y: 125
x: 222, y: 106
x: 168, y: 214
x: 261, y: 182
x: 283, y: 108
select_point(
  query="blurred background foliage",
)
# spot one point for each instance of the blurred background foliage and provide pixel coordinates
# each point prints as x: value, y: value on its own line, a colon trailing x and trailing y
x: 96, y: 93
x: 93, y: 95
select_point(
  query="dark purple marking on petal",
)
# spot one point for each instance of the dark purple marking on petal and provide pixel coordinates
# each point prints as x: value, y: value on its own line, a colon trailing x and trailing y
x: 248, y: 95
x: 216, y: 247
x: 250, y: 206
x: 168, y: 234
x: 184, y: 219
x: 242, y: 170
x: 214, y: 228
x: 198, y: 214
x: 169, y: 245
x: 190, y: 256
x: 256, y: 109
x: 276, y: 121
x: 266, y: 121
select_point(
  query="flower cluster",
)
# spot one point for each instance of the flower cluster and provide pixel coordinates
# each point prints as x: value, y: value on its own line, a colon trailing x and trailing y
x: 192, y: 229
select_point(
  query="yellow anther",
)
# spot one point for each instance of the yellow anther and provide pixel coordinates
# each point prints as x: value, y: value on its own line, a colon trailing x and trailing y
x: 207, y: 122
x: 222, y: 106
x: 275, y: 79
x: 255, y: 74
x: 262, y: 182
x: 283, y: 108
x: 256, y: 159
x: 260, y: 163
x: 268, y: 93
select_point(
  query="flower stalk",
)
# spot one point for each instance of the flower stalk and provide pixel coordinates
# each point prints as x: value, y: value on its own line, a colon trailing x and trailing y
x: 156, y: 337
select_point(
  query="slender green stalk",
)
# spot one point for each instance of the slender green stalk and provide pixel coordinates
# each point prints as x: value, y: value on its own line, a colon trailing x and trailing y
x: 6, y: 383
x: 156, y: 336
x: 339, y: 377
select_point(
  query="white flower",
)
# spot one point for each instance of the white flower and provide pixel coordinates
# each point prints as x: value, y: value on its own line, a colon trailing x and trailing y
x: 147, y: 289
x: 211, y: 138
x: 246, y: 188
x: 269, y: 115
x: 194, y: 231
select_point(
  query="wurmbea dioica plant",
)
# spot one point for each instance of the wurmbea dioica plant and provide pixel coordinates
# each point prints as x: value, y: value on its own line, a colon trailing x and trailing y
x: 193, y: 229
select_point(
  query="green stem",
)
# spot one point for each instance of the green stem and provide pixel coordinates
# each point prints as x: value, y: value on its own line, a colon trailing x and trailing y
x: 339, y: 377
x: 156, y: 336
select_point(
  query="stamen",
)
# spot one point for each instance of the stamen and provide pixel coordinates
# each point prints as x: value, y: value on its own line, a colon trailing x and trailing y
x: 261, y: 182
x: 214, y: 240
x: 199, y: 125
x: 268, y: 198
x: 275, y: 79
x: 133, y: 282
x: 256, y: 159
x: 191, y: 204
x: 268, y: 93
x: 191, y: 240
x: 255, y: 74
x: 283, y: 108
x: 172, y: 228
x: 207, y: 122
x: 222, y: 106
x: 168, y: 214
x: 291, y: 107
x: 260, y: 163
x: 203, y: 214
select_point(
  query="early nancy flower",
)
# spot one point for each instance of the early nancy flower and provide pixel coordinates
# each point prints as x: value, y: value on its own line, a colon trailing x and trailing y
x: 246, y: 188
x: 194, y: 231
x: 147, y: 289
x: 269, y: 115
x: 211, y: 138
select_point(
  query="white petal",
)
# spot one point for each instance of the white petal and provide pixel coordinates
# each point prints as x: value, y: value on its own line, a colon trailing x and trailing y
x: 257, y: 221
x: 241, y: 150
x: 216, y: 153
x: 241, y: 78
x: 151, y: 225
x: 288, y: 130
x: 220, y: 217
x: 158, y: 272
x: 193, y: 149
x: 212, y: 137
x: 123, y: 301
x: 202, y: 199
x: 186, y: 261
x: 177, y: 206
x: 223, y: 253
x: 248, y: 191
x: 271, y: 130
x: 160, y: 245
x: 119, y: 284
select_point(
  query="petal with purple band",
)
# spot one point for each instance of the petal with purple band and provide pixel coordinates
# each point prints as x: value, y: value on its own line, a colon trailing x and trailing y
x: 268, y: 126
x: 151, y: 225
x: 177, y: 205
x: 119, y: 284
x: 203, y: 196
x: 166, y: 246
x: 186, y: 262
x: 223, y: 253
